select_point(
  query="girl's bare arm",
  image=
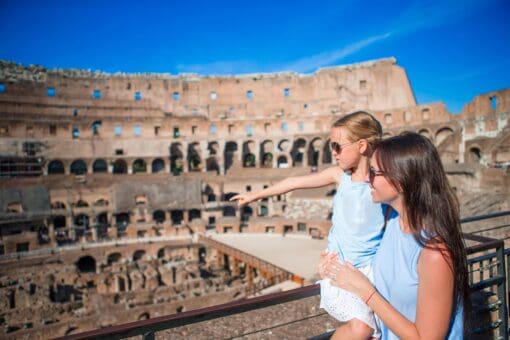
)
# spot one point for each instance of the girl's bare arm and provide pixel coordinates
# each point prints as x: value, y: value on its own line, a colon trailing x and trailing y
x: 326, y: 177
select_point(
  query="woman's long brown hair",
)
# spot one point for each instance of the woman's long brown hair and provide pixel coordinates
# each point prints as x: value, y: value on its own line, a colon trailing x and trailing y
x: 412, y: 165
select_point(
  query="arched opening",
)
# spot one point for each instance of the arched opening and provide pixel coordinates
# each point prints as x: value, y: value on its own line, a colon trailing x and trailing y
x: 78, y: 167
x: 144, y: 316
x: 246, y: 213
x: 101, y: 203
x: 158, y: 165
x: 138, y: 255
x: 158, y: 216
x: 475, y: 155
x: 298, y: 151
x: 229, y: 154
x: 59, y: 222
x: 227, y: 196
x: 212, y: 165
x: 229, y: 211
x: 194, y: 214
x: 282, y: 162
x: 58, y: 205
x: 326, y: 153
x: 82, y: 221
x: 86, y: 264
x: 101, y: 224
x: 424, y: 133
x: 139, y: 166
x: 443, y: 134
x: 314, y: 150
x: 121, y: 222
x: 56, y: 167
x: 194, y: 159
x: 213, y: 148
x: 120, y: 167
x: 176, y: 159
x: 99, y: 166
x: 113, y: 258
x: 266, y: 154
x: 249, y: 158
x: 209, y: 193
x: 81, y: 204
x: 263, y: 211
x: 176, y: 216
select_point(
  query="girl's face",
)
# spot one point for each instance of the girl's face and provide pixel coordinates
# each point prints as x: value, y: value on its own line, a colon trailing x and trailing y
x: 345, y: 152
x: 383, y: 190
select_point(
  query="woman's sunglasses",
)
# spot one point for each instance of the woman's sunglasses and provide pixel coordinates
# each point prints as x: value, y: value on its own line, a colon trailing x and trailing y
x: 334, y: 146
x: 372, y: 173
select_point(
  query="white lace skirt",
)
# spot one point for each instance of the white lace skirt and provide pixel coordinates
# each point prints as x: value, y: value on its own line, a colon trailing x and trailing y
x: 344, y: 305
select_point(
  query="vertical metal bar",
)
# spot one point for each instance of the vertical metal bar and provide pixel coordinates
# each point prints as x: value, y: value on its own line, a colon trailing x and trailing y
x: 503, y: 315
x: 148, y: 336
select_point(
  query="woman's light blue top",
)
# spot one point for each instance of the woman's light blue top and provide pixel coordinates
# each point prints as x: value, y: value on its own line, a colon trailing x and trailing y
x: 396, y: 277
x: 357, y: 223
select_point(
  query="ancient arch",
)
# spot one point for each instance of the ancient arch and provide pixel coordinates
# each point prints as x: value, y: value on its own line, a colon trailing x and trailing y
x: 194, y: 158
x: 99, y: 166
x: 474, y: 155
x: 326, y: 153
x: 249, y: 158
x: 59, y: 221
x: 138, y: 255
x: 158, y: 165
x: 56, y: 167
x: 113, y: 258
x: 442, y: 134
x: 120, y: 167
x: 425, y: 133
x: 229, y: 154
x: 176, y: 158
x: 314, y: 151
x: 266, y: 154
x: 139, y: 165
x: 211, y: 164
x: 194, y: 214
x: 86, y: 264
x: 58, y: 205
x: 159, y: 216
x: 298, y: 152
x: 81, y: 204
x: 282, y: 162
x: 78, y: 167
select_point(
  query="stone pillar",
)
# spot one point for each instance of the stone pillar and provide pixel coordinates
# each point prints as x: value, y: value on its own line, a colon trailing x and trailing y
x: 235, y: 267
x: 248, y: 274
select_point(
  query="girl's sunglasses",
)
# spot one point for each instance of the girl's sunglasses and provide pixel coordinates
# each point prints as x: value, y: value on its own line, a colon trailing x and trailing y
x: 334, y: 146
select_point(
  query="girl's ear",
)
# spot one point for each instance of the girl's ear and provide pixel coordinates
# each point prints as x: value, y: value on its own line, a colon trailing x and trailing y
x: 363, y: 146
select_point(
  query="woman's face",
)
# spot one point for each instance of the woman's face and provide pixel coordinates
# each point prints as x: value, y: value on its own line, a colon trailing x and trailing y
x: 382, y: 189
x: 345, y: 152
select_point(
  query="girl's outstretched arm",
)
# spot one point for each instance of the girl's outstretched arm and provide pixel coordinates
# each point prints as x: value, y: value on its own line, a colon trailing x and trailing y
x: 326, y: 177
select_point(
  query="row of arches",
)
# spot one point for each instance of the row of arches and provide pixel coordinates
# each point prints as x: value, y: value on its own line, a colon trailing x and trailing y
x: 208, y: 157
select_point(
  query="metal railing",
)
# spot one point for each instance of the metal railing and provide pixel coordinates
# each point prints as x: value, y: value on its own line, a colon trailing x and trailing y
x: 488, y: 263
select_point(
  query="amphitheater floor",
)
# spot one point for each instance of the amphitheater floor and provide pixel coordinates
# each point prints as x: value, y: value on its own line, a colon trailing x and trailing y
x: 298, y: 254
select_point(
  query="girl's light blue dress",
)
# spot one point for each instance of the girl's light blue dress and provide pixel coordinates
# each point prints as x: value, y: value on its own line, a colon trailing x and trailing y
x: 355, y: 235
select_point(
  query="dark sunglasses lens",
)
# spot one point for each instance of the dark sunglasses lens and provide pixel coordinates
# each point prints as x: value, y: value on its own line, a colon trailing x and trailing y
x: 335, y: 146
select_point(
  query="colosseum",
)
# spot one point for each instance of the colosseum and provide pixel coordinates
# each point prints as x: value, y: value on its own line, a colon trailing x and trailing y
x: 114, y: 185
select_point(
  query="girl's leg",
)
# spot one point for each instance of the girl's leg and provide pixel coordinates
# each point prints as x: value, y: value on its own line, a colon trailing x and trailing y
x: 353, y: 329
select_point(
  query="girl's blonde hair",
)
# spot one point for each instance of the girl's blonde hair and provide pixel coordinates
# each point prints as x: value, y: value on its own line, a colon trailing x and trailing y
x: 360, y: 125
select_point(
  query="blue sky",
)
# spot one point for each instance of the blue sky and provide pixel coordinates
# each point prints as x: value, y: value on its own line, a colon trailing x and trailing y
x: 452, y: 50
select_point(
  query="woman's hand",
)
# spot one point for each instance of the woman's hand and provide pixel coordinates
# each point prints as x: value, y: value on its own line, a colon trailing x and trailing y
x: 243, y: 199
x: 325, y: 258
x: 347, y: 277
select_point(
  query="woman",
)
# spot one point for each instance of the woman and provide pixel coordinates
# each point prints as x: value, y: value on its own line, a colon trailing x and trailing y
x: 420, y: 268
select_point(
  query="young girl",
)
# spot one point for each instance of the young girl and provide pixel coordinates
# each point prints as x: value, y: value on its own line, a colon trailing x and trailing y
x: 357, y: 221
x: 420, y: 269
